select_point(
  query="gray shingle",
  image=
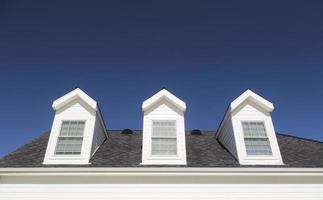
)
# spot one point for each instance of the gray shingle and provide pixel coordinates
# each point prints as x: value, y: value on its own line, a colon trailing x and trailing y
x: 124, y: 150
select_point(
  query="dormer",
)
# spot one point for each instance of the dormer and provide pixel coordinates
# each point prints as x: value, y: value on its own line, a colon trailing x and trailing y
x: 77, y: 132
x: 163, y: 130
x: 247, y: 131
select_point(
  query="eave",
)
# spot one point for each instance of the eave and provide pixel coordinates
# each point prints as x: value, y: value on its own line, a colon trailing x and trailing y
x: 162, y: 171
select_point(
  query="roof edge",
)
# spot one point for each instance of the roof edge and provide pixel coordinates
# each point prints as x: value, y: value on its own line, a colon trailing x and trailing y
x: 200, y: 170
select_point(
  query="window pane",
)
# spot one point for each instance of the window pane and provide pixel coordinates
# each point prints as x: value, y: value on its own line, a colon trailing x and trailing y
x: 70, y: 138
x: 164, y: 146
x: 67, y: 145
x: 258, y: 146
x: 72, y: 128
x: 254, y: 129
x: 255, y: 137
x: 164, y: 128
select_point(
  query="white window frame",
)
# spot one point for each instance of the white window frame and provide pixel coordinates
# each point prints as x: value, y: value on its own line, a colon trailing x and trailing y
x: 59, y: 136
x: 163, y: 137
x: 180, y: 158
x: 258, y: 137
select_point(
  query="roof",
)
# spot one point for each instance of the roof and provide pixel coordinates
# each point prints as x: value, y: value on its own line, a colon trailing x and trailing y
x: 124, y: 150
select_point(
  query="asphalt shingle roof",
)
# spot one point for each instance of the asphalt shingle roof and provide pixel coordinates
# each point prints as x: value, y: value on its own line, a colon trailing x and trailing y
x: 124, y: 150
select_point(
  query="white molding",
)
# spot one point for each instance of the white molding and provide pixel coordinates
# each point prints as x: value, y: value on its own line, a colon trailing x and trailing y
x: 159, y: 96
x: 162, y: 170
x: 76, y: 93
x: 251, y: 96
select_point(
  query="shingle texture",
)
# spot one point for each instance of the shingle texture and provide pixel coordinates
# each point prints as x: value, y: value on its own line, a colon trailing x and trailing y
x: 124, y: 150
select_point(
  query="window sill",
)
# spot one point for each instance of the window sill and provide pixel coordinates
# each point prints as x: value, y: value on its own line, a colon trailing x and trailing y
x: 164, y: 158
x: 67, y: 157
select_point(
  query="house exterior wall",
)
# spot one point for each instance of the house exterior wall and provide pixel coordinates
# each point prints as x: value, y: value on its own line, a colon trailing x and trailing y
x: 162, y: 186
x: 98, y: 136
x: 249, y: 111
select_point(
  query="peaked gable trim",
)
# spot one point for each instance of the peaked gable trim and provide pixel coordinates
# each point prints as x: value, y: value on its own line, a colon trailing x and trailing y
x: 255, y: 98
x: 248, y: 94
x: 163, y: 94
x: 71, y: 96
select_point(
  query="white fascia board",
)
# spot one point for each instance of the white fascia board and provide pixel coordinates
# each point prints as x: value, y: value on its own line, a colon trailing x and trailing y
x: 162, y: 171
x: 250, y: 95
x: 163, y: 94
x: 76, y: 93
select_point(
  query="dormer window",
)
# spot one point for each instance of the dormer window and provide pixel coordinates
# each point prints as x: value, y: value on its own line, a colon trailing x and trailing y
x: 256, y: 139
x: 77, y: 131
x: 247, y: 131
x: 163, y: 140
x: 70, y: 138
x: 163, y: 130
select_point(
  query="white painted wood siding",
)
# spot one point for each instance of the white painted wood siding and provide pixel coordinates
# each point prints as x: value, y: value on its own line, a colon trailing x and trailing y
x: 159, y: 191
x: 98, y: 136
x: 199, y: 186
x: 226, y: 137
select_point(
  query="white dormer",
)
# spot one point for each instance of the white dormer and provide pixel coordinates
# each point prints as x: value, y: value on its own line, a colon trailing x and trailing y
x: 78, y: 130
x: 247, y: 131
x: 163, y: 130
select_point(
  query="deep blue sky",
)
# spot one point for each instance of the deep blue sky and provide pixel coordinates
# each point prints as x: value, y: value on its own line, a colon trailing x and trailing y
x: 121, y: 52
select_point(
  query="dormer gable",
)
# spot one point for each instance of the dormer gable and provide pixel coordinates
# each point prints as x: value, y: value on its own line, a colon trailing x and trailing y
x: 165, y: 96
x: 247, y: 131
x: 75, y: 95
x: 78, y: 129
x: 163, y: 130
x: 252, y: 97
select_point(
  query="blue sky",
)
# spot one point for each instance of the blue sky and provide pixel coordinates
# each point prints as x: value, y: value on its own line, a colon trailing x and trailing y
x: 122, y: 52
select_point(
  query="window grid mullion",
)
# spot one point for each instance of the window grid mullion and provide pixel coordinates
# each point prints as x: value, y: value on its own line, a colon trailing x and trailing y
x: 256, y: 139
x: 164, y: 139
x: 70, y: 138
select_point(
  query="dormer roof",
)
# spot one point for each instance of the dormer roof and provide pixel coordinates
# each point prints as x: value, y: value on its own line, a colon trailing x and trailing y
x: 163, y: 94
x: 77, y: 93
x: 249, y: 95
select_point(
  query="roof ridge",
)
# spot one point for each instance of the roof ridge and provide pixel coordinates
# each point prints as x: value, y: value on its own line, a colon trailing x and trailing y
x: 298, y: 137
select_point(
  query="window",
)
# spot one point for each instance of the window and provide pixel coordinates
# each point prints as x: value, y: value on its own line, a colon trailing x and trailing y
x: 255, y: 137
x: 164, y: 141
x: 70, y: 138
